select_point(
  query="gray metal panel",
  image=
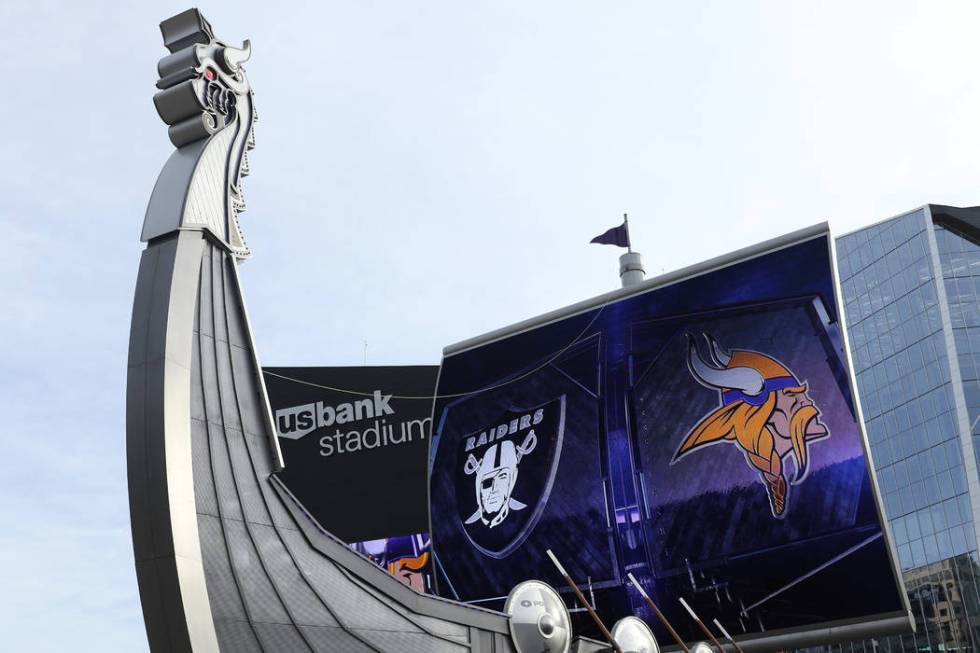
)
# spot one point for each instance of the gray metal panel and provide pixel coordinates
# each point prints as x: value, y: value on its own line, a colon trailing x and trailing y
x: 281, y: 637
x: 358, y: 609
x: 586, y: 645
x: 448, y: 629
x: 482, y: 640
x: 207, y: 498
x: 238, y: 332
x: 219, y: 315
x: 280, y: 516
x: 226, y: 599
x: 247, y: 485
x: 334, y: 640
x: 155, y: 600
x: 305, y: 606
x: 164, y: 524
x: 387, y: 640
x: 166, y: 207
x: 253, y: 417
x: 412, y: 622
x: 139, y: 326
x: 261, y: 598
x: 503, y: 644
x: 261, y: 398
x: 223, y: 477
x: 238, y: 636
x: 226, y: 386
x: 436, y: 607
x: 136, y: 471
x: 208, y: 380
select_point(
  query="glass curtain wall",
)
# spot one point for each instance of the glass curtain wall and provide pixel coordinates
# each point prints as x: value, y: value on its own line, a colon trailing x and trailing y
x: 901, y: 362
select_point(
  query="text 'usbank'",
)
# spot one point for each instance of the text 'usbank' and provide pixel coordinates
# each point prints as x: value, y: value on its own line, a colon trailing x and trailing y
x: 293, y: 423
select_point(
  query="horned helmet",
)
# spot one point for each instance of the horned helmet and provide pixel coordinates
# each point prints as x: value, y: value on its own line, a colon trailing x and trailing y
x: 740, y: 375
x: 756, y: 381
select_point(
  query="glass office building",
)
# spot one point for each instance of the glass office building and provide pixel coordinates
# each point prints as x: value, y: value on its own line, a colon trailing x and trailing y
x: 910, y: 287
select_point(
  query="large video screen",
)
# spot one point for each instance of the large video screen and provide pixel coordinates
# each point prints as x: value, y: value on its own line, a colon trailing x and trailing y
x: 699, y: 433
x: 355, y: 442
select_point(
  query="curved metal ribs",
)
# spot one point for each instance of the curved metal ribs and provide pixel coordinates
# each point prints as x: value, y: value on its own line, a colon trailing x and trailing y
x: 226, y: 559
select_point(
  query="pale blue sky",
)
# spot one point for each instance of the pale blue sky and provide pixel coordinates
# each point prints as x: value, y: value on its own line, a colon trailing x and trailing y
x: 425, y: 172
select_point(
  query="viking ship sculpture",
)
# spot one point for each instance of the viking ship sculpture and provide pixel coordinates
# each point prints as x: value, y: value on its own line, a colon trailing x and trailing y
x: 226, y: 558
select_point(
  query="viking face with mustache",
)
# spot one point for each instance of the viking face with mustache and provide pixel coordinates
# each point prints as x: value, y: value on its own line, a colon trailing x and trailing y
x: 765, y: 411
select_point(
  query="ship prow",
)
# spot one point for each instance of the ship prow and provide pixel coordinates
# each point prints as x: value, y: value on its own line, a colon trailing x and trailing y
x: 262, y: 574
x: 226, y: 558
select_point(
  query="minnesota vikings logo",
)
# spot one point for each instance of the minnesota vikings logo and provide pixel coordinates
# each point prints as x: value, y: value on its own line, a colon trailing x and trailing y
x: 764, y: 410
x: 507, y: 471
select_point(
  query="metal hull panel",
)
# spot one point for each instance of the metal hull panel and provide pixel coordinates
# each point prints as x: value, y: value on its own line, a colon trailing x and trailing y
x: 227, y: 560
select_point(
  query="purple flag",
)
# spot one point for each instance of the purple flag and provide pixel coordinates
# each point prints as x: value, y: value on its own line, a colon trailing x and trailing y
x: 618, y: 236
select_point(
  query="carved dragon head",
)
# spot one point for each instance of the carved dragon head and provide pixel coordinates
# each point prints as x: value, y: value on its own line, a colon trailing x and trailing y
x: 206, y: 100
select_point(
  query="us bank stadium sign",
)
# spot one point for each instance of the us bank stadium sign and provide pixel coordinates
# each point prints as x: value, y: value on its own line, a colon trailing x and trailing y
x: 296, y: 422
x: 356, y: 441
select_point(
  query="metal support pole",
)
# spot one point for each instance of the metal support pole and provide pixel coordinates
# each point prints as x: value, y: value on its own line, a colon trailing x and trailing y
x: 581, y: 598
x: 656, y: 611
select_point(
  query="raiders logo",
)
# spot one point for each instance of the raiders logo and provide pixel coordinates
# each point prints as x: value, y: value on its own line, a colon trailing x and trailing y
x: 505, y: 474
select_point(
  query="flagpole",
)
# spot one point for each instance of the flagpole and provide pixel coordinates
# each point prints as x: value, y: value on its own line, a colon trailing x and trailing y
x: 730, y: 638
x: 704, y: 629
x: 656, y: 610
x: 578, y: 594
x: 631, y: 270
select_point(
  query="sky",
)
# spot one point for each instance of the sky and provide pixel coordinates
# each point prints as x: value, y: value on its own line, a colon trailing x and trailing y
x: 424, y: 172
